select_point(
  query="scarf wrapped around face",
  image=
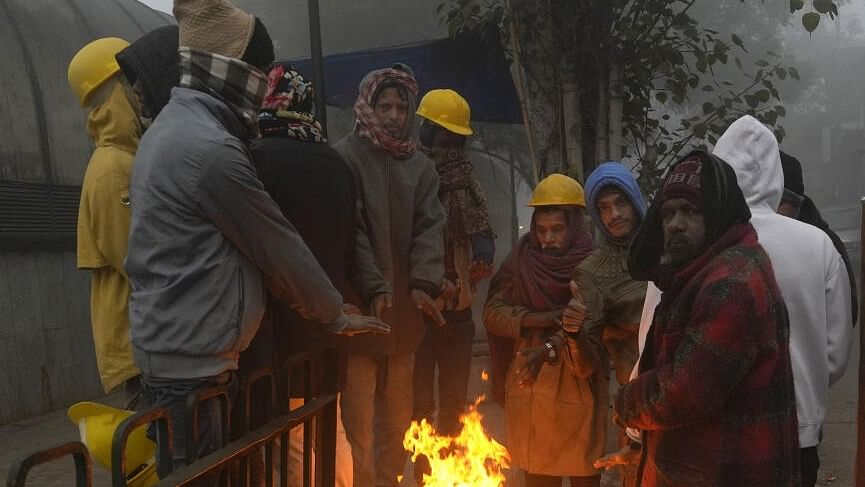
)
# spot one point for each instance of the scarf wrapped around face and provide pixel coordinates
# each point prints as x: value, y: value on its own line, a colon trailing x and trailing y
x: 541, y: 280
x: 367, y: 126
x: 461, y: 196
x: 237, y: 84
x: 287, y: 108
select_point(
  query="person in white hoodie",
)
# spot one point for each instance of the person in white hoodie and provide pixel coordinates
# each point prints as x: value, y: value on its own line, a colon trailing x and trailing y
x: 810, y: 273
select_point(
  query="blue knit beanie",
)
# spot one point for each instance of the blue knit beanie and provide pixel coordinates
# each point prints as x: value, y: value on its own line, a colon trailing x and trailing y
x: 612, y: 174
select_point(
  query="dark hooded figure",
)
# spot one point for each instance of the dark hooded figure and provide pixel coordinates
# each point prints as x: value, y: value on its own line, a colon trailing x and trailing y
x: 150, y: 66
x: 714, y: 397
x: 796, y: 204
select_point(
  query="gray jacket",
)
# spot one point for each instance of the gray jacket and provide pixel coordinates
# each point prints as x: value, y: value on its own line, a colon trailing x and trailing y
x: 205, y: 239
x: 404, y: 230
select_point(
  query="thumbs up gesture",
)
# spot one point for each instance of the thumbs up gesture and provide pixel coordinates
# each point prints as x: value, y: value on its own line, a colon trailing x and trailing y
x: 575, y: 311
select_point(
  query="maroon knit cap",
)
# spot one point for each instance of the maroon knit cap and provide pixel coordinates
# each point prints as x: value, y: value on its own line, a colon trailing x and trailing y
x: 684, y: 182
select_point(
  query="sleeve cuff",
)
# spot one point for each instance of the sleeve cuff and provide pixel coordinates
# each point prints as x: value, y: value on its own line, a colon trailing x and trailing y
x: 425, y: 286
x: 483, y: 248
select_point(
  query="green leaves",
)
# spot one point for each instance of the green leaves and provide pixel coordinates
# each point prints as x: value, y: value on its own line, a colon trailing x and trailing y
x: 762, y: 95
x: 823, y: 6
x: 810, y: 21
x: 796, y: 5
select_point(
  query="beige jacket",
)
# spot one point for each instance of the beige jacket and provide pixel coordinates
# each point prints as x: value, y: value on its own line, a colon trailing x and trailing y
x: 556, y: 426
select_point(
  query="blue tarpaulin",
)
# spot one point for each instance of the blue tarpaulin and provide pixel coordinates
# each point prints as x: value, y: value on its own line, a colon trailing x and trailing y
x: 473, y: 64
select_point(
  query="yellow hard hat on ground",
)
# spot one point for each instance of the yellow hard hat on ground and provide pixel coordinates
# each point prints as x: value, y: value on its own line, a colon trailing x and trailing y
x: 93, y: 65
x: 448, y: 109
x: 558, y: 190
x: 97, y: 424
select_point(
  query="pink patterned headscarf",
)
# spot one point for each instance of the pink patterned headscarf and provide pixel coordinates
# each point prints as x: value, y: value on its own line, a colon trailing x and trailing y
x: 367, y: 126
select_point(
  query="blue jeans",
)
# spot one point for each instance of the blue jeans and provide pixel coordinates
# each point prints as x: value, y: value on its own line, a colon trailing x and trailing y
x: 172, y: 395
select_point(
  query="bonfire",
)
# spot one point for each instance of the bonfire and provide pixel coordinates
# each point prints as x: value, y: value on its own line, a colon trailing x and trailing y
x: 471, y: 459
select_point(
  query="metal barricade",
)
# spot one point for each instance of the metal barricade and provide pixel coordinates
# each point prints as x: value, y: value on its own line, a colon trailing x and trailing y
x: 17, y: 476
x: 267, y: 445
x: 164, y: 440
x: 260, y: 439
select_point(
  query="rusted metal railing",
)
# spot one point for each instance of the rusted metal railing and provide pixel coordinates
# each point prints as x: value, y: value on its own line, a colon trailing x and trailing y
x: 255, y: 452
x: 17, y: 476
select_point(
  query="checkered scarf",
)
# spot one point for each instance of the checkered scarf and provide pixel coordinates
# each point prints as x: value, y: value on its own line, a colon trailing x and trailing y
x: 365, y: 123
x: 232, y: 81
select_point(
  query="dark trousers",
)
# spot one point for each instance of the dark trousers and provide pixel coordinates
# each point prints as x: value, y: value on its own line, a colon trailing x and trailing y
x: 533, y: 480
x: 172, y: 394
x: 810, y: 464
x: 448, y: 348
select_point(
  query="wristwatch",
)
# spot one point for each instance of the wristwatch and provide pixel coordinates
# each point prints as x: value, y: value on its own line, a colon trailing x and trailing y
x: 551, y: 351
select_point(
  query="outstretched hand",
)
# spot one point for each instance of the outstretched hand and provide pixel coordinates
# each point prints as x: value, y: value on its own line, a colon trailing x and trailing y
x: 380, y: 302
x: 534, y: 358
x: 425, y: 303
x: 627, y: 456
x: 357, y: 324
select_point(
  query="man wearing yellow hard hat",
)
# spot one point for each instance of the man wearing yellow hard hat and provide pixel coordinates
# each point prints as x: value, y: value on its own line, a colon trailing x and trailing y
x: 556, y: 422
x: 469, y: 252
x: 104, y: 211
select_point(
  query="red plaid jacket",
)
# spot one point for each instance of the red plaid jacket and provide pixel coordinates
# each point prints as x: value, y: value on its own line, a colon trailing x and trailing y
x: 715, y: 397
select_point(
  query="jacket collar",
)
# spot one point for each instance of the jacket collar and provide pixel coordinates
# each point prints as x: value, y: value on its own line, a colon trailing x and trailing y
x: 218, y: 109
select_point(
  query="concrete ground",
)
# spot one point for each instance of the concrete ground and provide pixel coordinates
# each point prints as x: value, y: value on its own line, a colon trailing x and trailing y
x: 836, y: 452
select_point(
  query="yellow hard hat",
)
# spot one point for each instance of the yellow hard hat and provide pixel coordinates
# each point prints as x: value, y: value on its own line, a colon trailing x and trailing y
x: 93, y: 65
x: 97, y: 424
x: 558, y: 190
x: 448, y: 109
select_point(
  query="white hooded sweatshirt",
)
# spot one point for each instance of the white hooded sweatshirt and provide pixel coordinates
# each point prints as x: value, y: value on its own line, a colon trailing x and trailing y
x: 809, y: 271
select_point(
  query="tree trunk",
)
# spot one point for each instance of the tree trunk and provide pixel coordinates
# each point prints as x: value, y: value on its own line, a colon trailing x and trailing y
x: 602, y: 116
x: 537, y: 84
x: 518, y: 74
x: 572, y: 120
x: 616, y: 102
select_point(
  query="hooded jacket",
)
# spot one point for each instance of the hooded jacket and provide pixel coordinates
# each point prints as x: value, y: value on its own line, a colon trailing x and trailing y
x: 714, y: 398
x: 402, y: 230
x: 809, y: 214
x: 613, y: 299
x: 809, y: 270
x: 205, y: 240
x: 103, y: 232
x: 151, y: 61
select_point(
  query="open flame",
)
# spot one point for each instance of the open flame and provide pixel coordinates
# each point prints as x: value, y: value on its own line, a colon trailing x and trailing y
x: 471, y: 459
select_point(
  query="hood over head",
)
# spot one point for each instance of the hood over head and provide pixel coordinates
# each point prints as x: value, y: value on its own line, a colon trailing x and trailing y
x: 399, y: 74
x: 612, y: 174
x: 723, y: 206
x: 152, y: 61
x: 794, y: 184
x: 751, y: 149
x: 111, y: 118
x: 367, y: 126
